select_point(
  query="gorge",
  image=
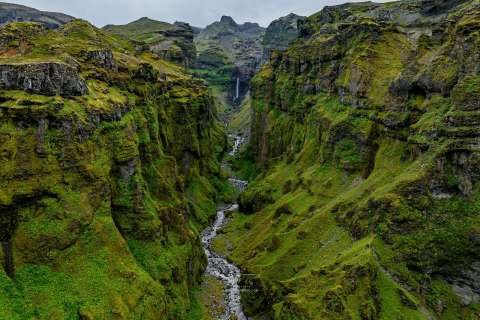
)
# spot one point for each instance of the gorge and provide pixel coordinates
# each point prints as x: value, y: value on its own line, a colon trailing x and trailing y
x: 125, y: 153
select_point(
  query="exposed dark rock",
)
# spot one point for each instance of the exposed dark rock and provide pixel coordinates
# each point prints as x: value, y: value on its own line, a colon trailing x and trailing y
x: 8, y: 263
x: 102, y: 58
x: 228, y: 21
x: 281, y: 33
x: 46, y: 78
x: 467, y: 285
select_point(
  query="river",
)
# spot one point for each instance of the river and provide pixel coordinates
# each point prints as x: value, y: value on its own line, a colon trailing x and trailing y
x: 218, y: 266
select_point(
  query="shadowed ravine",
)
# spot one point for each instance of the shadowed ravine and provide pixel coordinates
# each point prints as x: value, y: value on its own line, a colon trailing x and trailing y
x: 218, y: 266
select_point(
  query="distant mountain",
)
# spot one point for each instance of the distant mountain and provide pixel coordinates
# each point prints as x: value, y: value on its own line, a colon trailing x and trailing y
x: 10, y: 12
x: 196, y: 30
x: 281, y: 33
x: 232, y: 51
x: 141, y: 27
x: 172, y: 42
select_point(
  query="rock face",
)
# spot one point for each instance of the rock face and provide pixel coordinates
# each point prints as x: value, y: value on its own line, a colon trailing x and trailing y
x: 103, y: 59
x: 233, y: 52
x: 280, y: 34
x: 102, y: 191
x: 42, y: 78
x: 366, y: 132
x: 173, y: 42
x: 10, y: 12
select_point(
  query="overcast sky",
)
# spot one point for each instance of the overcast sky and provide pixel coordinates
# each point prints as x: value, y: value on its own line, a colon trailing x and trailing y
x: 196, y: 12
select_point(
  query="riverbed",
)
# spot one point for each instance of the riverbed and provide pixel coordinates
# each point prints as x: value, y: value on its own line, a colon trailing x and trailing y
x: 218, y: 266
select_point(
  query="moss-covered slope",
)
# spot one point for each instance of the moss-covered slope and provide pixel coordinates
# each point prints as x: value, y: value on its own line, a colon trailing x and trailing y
x: 108, y: 170
x: 367, y: 131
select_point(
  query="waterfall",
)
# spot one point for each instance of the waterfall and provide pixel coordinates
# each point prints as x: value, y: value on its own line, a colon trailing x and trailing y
x: 238, y: 88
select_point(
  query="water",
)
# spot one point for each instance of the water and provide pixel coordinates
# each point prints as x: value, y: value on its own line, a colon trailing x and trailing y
x: 238, y: 143
x: 238, y: 184
x: 238, y: 89
x: 218, y: 266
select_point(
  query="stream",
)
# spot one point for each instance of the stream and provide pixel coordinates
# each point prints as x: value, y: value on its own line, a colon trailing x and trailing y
x: 218, y: 266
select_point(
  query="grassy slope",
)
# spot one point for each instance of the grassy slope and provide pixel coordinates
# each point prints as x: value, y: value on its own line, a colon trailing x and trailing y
x: 241, y: 120
x: 143, y: 29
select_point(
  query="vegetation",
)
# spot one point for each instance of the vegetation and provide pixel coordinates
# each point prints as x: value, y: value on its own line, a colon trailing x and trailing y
x: 103, y: 195
x: 363, y: 208
x: 363, y: 164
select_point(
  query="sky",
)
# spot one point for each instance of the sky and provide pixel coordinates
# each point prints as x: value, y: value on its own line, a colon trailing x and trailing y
x: 196, y: 12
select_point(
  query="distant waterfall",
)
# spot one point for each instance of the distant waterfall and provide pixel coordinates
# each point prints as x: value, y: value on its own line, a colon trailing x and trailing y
x: 238, y: 89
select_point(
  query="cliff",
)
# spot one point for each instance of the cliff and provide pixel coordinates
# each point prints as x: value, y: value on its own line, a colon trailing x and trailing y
x: 109, y: 168
x: 366, y: 133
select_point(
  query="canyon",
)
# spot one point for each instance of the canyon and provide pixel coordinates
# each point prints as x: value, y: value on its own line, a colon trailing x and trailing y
x: 322, y: 167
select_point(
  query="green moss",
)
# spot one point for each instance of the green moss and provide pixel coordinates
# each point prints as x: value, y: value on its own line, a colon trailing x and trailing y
x: 347, y: 154
x: 208, y: 300
x: 105, y: 194
x: 396, y: 302
x: 242, y: 119
x: 358, y: 136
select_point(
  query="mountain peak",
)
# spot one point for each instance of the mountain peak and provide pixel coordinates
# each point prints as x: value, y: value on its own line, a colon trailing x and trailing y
x: 228, y: 20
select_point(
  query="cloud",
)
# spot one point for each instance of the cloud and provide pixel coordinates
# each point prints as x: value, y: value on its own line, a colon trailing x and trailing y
x: 195, y: 12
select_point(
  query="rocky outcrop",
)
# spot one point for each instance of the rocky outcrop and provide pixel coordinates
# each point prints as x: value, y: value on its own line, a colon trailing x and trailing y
x: 182, y: 35
x: 10, y: 12
x: 42, y: 78
x: 103, y: 59
x: 467, y: 284
x: 281, y: 33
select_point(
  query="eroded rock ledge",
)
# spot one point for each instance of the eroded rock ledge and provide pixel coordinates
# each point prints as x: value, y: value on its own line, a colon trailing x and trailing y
x: 48, y: 78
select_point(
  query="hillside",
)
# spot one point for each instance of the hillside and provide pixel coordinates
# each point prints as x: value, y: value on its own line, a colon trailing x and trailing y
x: 109, y: 171
x: 365, y: 138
